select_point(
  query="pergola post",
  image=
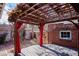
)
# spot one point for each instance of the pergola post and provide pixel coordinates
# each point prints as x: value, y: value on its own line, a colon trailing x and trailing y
x: 17, y: 25
x: 41, y: 27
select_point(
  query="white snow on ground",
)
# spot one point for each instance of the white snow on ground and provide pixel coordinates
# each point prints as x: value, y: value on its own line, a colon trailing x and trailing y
x: 49, y: 50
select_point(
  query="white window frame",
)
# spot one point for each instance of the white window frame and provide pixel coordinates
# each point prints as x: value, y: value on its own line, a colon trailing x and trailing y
x: 65, y: 38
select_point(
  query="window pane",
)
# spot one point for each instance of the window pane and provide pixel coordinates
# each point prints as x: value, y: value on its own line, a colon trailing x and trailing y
x: 62, y: 34
x: 68, y: 34
x: 65, y: 35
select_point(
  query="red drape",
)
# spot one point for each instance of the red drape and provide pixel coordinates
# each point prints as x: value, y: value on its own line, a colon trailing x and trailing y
x: 17, y: 41
x: 41, y: 33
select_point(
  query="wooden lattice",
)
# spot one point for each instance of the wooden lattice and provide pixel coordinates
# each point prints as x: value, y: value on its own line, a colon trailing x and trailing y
x: 36, y: 13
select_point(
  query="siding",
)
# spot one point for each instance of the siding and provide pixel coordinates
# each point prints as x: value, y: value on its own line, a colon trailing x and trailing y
x: 53, y: 36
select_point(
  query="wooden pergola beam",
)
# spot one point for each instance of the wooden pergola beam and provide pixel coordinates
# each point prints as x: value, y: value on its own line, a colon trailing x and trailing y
x: 67, y: 19
x: 29, y: 13
x: 62, y: 10
x: 55, y: 10
x: 40, y: 16
x: 75, y: 6
x: 33, y: 11
x: 77, y: 25
x: 32, y: 19
x: 29, y: 19
x: 41, y: 12
x: 28, y: 10
x: 58, y: 6
x: 36, y: 17
x: 27, y: 22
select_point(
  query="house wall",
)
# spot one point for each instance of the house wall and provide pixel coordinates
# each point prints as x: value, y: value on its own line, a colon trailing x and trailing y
x: 53, y: 37
x: 6, y: 29
x: 30, y: 30
x: 45, y: 37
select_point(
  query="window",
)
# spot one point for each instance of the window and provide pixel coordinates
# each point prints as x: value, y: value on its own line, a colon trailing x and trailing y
x: 65, y: 35
x: 29, y: 26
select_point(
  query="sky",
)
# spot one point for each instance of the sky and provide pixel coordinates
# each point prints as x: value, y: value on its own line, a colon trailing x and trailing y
x: 4, y: 18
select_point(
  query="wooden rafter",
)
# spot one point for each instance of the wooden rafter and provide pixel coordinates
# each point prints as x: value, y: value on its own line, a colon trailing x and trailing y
x: 50, y: 12
x: 34, y: 11
x: 67, y: 19
x: 27, y: 10
x: 36, y: 16
x: 27, y: 22
x: 30, y: 19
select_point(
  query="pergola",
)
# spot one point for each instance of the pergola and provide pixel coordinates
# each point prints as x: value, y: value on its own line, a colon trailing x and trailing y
x: 40, y: 14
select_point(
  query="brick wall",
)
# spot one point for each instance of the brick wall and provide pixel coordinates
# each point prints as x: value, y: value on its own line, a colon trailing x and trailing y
x: 53, y: 35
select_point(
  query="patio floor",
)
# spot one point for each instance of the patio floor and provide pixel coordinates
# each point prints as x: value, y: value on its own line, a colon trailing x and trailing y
x: 31, y: 48
x: 48, y: 50
x: 7, y: 49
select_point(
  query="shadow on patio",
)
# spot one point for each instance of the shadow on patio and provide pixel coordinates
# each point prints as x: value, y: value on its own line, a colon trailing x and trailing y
x: 48, y: 50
